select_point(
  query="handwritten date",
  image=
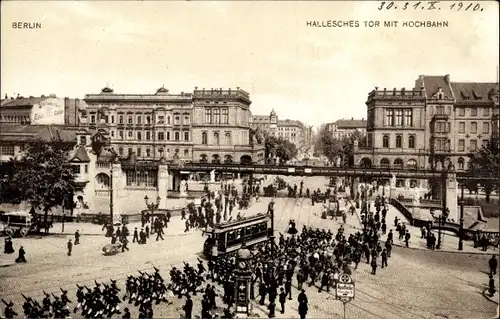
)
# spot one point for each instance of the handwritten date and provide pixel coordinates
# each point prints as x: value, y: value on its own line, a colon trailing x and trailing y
x: 430, y: 6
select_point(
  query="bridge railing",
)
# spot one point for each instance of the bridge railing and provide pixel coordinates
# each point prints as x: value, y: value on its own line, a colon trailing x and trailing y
x: 402, y: 208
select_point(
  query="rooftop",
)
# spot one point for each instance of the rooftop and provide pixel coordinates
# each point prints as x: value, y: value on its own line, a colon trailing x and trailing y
x: 432, y: 83
x: 23, y: 101
x: 464, y: 91
x: 352, y: 123
x: 19, y: 133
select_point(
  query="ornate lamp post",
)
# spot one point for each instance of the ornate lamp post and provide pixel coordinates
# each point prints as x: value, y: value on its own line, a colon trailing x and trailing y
x: 152, y: 206
x: 242, y: 278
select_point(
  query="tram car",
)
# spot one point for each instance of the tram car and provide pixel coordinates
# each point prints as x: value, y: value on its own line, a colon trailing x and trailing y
x: 226, y: 238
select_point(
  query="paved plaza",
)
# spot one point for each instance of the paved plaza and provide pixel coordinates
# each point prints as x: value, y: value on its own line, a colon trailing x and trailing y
x: 417, y: 283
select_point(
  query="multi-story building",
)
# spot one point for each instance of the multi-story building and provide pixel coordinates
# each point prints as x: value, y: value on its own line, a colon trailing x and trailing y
x: 206, y: 125
x: 342, y: 128
x: 291, y: 130
x: 221, y: 127
x: 43, y: 110
x: 267, y: 123
x: 436, y: 123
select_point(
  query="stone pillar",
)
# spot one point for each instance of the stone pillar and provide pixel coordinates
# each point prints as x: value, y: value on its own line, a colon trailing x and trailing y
x: 176, y: 181
x: 354, y: 188
x: 407, y: 183
x: 117, y: 186
x: 451, y: 196
x: 163, y: 185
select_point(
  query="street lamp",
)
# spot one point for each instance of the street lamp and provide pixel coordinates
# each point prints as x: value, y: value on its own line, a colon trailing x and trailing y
x: 442, y: 221
x: 461, y: 229
x: 152, y: 206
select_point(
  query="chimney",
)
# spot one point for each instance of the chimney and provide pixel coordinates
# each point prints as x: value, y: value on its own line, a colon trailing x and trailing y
x: 447, y: 78
x: 362, y: 119
x: 352, y: 118
x: 6, y: 97
x: 18, y: 96
x: 195, y: 88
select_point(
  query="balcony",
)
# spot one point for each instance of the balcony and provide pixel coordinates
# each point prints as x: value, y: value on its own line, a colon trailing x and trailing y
x: 440, y: 117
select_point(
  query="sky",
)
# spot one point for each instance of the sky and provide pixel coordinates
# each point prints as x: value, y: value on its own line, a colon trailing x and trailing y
x: 311, y: 74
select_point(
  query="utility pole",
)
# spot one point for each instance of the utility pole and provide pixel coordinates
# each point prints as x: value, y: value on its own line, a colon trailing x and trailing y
x: 111, y: 196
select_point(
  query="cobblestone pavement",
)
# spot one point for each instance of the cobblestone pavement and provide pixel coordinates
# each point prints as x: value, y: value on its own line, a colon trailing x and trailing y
x: 417, y: 283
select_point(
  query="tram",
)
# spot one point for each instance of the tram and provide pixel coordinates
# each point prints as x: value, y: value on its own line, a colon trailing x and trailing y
x: 226, y: 238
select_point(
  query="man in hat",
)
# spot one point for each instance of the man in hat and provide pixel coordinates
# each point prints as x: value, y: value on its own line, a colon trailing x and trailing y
x: 70, y: 247
x: 77, y: 237
x: 21, y: 258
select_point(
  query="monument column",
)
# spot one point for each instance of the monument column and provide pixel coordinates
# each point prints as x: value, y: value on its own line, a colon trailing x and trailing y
x: 242, y: 279
x: 451, y: 195
x: 163, y: 183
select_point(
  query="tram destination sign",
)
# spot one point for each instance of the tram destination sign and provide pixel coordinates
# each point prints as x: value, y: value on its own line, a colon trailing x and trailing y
x: 345, y: 289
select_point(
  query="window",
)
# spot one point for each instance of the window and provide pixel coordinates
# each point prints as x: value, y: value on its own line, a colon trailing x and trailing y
x: 441, y: 145
x: 216, y: 138
x: 177, y: 120
x: 86, y: 168
x: 186, y: 153
x: 440, y: 127
x: 138, y: 152
x: 473, y: 111
x: 148, y: 119
x: 389, y: 118
x: 486, y: 128
x: 92, y: 119
x: 461, y: 111
x: 412, y: 164
x: 129, y: 134
x: 168, y: 136
x: 486, y: 111
x: 399, y: 117
x: 161, y: 136
x: 186, y: 120
x: 120, y: 151
x: 204, y: 138
x: 399, y: 141
x: 385, y: 141
x: 408, y: 118
x: 130, y: 120
x: 411, y: 141
x: 148, y: 152
x: 139, y: 136
x: 473, y: 145
x: 461, y: 163
x: 130, y: 151
x: 7, y: 150
x: 75, y: 169
x: 112, y: 133
x: 161, y: 119
x: 208, y: 115
x: 473, y: 127
x: 120, y: 119
x: 216, y: 115
x: 227, y: 137
x: 461, y: 127
x: 486, y: 143
x: 83, y: 140
x: 225, y: 115
x: 112, y: 119
x: 461, y: 145
x: 139, y: 119
x: 186, y: 136
x: 384, y: 163
x: 177, y: 135
x: 168, y: 120
x: 148, y: 135
x: 120, y: 135
x: 440, y: 110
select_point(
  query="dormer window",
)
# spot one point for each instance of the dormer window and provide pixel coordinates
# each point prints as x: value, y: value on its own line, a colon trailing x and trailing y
x: 476, y: 97
x: 464, y: 95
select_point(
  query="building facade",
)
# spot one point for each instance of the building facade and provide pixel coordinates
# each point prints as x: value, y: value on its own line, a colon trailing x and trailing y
x: 291, y: 130
x: 43, y: 110
x: 343, y: 128
x: 206, y: 125
x: 430, y: 126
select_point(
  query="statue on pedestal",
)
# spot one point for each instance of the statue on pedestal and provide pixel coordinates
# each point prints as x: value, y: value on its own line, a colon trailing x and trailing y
x: 183, y: 189
x: 393, y: 181
x: 212, y: 176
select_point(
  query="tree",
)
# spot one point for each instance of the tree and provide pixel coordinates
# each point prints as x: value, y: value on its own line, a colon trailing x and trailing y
x: 485, y: 160
x: 326, y: 145
x: 43, y: 176
x: 275, y: 146
x: 348, y: 146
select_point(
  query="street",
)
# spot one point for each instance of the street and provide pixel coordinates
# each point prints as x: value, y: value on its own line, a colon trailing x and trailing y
x: 416, y: 283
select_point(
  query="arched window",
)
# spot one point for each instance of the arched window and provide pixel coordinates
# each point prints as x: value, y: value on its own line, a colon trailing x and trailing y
x: 461, y: 163
x: 399, y: 141
x: 411, y: 141
x: 385, y: 141
x: 204, y: 138
x: 384, y: 163
x: 216, y: 138
x: 398, y: 163
x: 228, y: 138
x: 215, y: 159
x: 102, y: 181
x: 203, y: 158
x: 412, y: 164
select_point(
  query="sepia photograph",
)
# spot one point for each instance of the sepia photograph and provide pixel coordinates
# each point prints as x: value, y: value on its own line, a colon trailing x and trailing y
x: 250, y: 159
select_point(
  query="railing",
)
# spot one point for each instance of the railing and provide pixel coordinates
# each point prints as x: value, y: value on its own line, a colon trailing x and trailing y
x: 399, y: 206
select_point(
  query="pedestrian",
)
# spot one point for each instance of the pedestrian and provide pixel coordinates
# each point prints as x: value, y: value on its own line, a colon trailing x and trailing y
x: 136, y: 236
x: 77, y: 237
x: 159, y: 232
x: 282, y: 299
x: 374, y: 266
x: 384, y: 258
x: 124, y: 242
x: 126, y: 314
x: 493, y: 263
x: 407, y: 238
x: 188, y: 307
x: 491, y: 286
x: 70, y: 247
x: 272, y: 309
